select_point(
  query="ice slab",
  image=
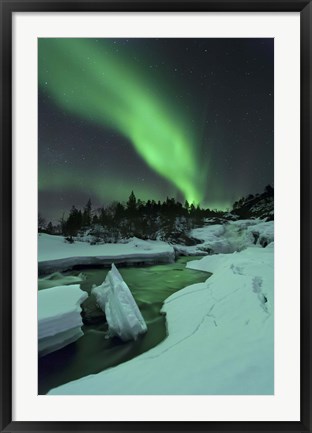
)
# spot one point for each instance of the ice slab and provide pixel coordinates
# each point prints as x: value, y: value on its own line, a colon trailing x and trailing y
x: 59, y: 319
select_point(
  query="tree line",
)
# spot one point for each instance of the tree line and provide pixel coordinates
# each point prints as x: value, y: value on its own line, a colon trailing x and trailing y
x: 143, y: 219
x: 169, y: 220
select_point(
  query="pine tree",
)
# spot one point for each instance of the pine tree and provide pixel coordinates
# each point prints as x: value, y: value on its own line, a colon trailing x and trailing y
x: 50, y: 228
x: 132, y: 202
x: 269, y: 190
x: 87, y: 214
x: 74, y: 222
x: 131, y: 210
x: 41, y: 223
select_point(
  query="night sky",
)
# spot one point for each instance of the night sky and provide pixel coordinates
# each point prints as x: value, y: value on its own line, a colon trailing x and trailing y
x: 184, y: 118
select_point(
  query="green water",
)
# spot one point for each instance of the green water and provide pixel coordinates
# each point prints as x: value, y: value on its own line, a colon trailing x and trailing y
x: 93, y: 353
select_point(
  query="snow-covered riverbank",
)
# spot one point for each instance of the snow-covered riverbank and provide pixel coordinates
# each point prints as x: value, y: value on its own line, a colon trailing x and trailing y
x: 220, y: 332
x: 54, y: 254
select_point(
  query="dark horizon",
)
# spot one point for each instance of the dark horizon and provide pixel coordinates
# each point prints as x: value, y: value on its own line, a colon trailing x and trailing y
x: 97, y: 208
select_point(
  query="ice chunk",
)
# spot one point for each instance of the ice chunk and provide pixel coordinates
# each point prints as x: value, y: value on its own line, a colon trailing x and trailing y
x: 58, y: 341
x: 59, y: 319
x: 122, y: 313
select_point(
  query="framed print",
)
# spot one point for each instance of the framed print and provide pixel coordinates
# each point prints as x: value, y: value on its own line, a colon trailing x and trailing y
x: 155, y: 216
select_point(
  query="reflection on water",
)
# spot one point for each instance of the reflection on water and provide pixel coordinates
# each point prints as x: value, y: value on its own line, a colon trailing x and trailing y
x: 93, y: 353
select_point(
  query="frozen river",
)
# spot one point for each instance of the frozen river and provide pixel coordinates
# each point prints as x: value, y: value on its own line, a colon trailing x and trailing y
x: 92, y: 353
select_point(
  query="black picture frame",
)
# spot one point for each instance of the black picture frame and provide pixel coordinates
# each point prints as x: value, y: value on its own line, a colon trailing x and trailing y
x: 7, y: 9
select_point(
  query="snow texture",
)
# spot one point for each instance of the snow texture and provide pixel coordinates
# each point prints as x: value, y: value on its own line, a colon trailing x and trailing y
x: 220, y: 332
x: 230, y: 237
x: 56, y: 254
x: 123, y: 316
x: 59, y: 319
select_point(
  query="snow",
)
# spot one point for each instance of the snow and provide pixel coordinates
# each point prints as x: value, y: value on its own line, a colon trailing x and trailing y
x: 59, y: 319
x: 230, y: 237
x: 220, y: 332
x: 57, y: 279
x: 265, y: 231
x: 122, y: 313
x: 56, y: 254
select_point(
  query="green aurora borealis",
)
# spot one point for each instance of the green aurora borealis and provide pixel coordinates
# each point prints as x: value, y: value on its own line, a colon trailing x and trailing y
x: 115, y: 96
x: 192, y: 119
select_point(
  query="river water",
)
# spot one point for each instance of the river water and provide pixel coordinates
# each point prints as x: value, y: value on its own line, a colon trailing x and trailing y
x: 92, y: 353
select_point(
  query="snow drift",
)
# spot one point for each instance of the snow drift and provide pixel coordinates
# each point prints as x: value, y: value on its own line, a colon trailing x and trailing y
x: 122, y: 313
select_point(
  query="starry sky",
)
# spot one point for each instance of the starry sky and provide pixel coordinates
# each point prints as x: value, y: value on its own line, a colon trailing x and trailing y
x: 186, y: 118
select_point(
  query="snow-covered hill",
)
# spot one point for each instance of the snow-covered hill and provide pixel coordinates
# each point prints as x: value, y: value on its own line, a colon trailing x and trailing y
x: 256, y: 206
